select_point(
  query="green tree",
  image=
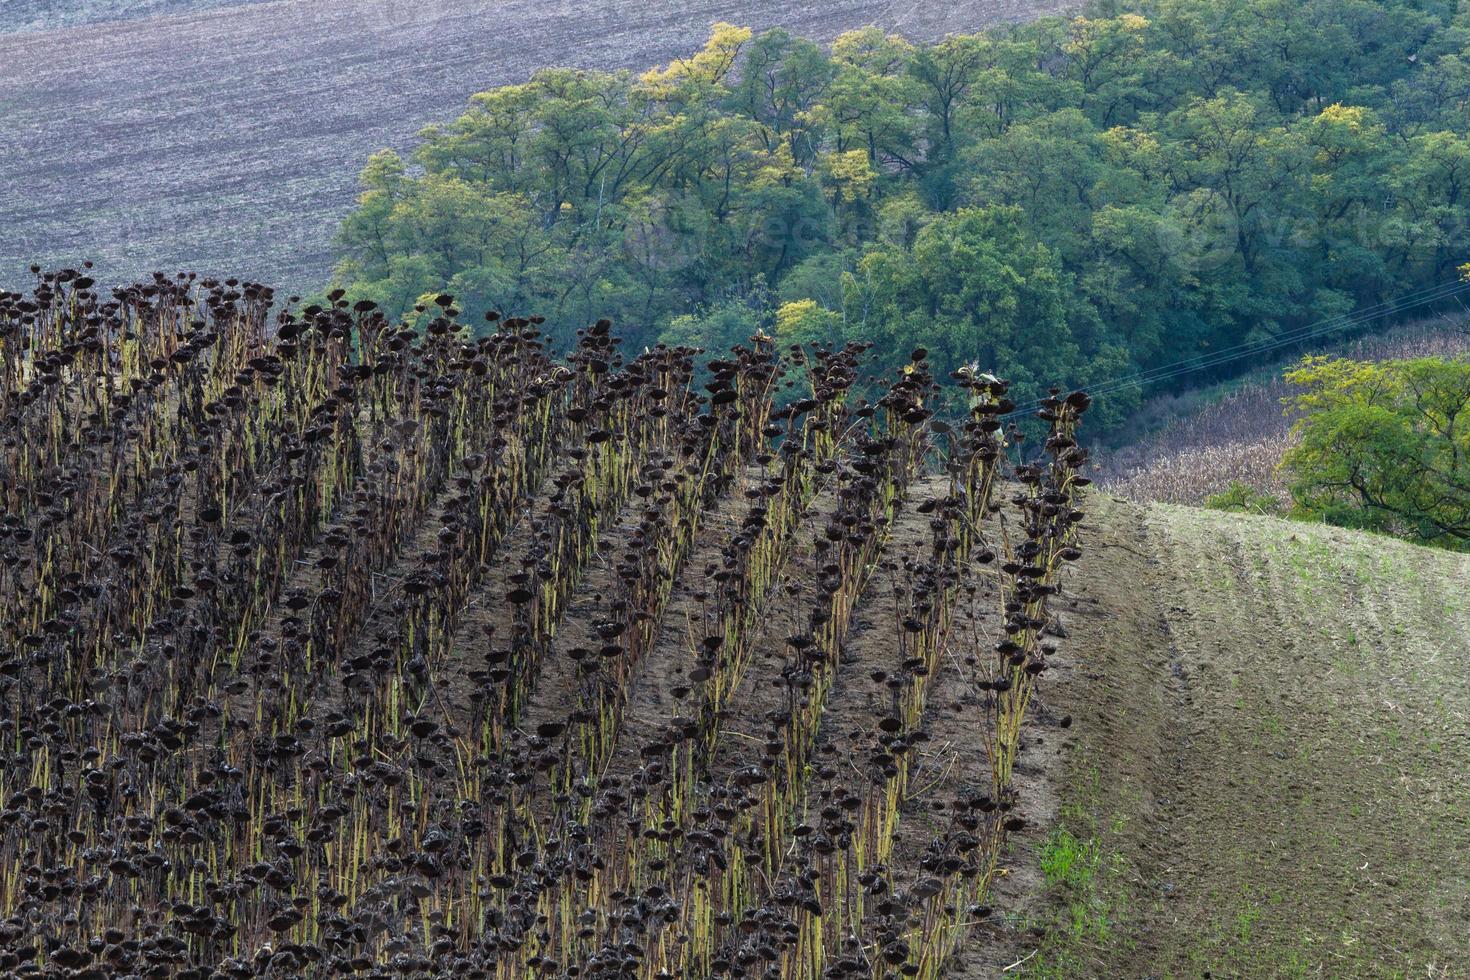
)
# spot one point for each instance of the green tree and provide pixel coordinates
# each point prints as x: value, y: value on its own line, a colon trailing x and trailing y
x: 1049, y: 167
x: 803, y: 321
x: 733, y: 321
x: 1150, y: 180
x: 784, y: 80
x: 1385, y: 446
x: 1107, y: 56
x: 970, y: 290
x: 1432, y: 188
x: 869, y: 104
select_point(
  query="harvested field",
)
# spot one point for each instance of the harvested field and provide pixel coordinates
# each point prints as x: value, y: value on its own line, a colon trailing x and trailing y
x: 1268, y: 772
x: 229, y: 141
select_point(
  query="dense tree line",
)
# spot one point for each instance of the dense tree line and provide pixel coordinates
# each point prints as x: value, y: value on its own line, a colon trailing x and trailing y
x: 1063, y: 201
x: 1384, y: 446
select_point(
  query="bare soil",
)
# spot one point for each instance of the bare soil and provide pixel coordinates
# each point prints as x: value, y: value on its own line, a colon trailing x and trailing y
x: 650, y: 705
x: 1269, y: 774
x: 1250, y: 759
x: 229, y: 140
x: 49, y: 15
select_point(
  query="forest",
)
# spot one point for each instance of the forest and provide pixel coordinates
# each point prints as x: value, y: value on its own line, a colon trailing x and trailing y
x: 1064, y: 201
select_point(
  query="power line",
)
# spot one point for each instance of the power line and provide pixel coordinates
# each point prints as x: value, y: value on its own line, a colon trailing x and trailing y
x: 1311, y: 331
x: 1200, y: 362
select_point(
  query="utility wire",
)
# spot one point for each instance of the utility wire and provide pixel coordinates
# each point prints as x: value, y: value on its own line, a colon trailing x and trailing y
x: 1199, y: 362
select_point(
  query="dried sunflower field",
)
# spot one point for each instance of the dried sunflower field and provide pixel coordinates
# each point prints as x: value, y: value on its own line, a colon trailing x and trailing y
x: 334, y: 646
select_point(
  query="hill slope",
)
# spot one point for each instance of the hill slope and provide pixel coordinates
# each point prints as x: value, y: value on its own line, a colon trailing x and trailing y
x: 44, y: 15
x: 231, y: 139
x: 1268, y: 774
x: 1196, y: 444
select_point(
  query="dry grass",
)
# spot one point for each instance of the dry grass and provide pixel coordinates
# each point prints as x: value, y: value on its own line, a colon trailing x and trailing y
x: 1190, y: 476
x: 1241, y: 435
x: 1263, y: 699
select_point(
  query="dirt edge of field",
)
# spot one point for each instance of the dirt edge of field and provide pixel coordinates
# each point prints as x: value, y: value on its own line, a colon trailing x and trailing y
x: 1269, y: 770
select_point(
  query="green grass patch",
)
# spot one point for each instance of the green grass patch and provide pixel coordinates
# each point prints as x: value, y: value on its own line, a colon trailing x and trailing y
x: 1085, y: 882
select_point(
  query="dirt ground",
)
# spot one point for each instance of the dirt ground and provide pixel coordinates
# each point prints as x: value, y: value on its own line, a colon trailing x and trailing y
x: 1252, y: 757
x: 229, y: 140
x: 1251, y: 760
x: 1269, y: 770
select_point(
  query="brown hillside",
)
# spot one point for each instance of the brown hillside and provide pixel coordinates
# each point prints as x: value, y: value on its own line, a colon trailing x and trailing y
x: 1268, y: 772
